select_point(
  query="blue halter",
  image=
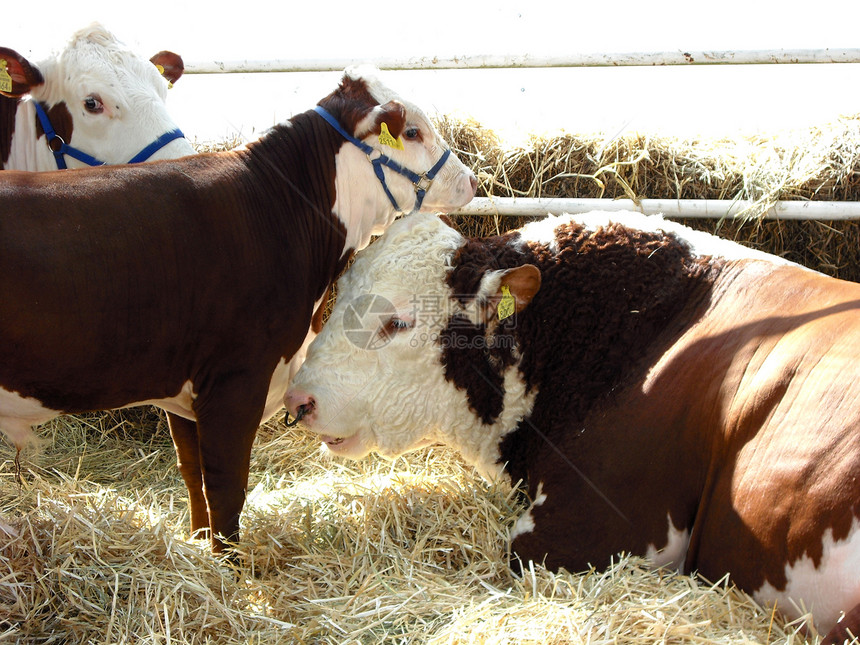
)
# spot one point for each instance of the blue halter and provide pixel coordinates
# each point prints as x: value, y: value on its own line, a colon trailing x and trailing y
x: 66, y: 149
x: 421, y: 182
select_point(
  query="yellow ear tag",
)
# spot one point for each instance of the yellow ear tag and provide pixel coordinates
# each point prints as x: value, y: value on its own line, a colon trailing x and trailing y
x: 386, y: 139
x: 160, y: 69
x: 5, y: 79
x: 508, y: 305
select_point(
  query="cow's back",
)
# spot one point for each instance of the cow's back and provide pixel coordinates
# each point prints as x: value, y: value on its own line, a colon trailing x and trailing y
x: 740, y: 442
x: 130, y: 274
x: 780, y: 358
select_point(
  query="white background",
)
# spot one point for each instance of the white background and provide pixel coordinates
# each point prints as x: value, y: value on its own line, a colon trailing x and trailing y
x: 673, y: 100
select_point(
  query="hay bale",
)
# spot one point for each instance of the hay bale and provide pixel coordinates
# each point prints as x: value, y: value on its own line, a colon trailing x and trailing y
x: 820, y: 163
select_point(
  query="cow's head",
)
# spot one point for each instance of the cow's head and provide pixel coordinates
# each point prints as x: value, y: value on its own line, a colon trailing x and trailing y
x: 102, y: 98
x: 387, y: 126
x: 405, y: 360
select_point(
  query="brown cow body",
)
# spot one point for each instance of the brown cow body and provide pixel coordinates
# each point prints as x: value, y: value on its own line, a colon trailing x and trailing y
x: 191, y: 283
x: 660, y: 391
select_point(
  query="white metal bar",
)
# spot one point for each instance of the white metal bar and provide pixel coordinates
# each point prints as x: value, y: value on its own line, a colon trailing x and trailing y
x: 689, y: 57
x: 703, y: 208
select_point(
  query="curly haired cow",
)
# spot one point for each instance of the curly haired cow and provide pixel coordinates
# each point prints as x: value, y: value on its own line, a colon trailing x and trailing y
x: 658, y: 390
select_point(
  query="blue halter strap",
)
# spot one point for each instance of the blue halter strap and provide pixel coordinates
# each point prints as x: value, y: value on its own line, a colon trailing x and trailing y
x: 64, y: 149
x: 421, y: 182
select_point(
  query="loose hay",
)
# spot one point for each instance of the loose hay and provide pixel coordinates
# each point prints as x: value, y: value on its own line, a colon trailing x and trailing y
x: 373, y: 552
x: 94, y: 545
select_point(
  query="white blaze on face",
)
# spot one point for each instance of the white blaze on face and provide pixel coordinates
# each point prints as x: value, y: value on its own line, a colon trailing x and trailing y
x: 375, y: 372
x: 132, y: 94
x: 116, y: 100
x: 361, y: 202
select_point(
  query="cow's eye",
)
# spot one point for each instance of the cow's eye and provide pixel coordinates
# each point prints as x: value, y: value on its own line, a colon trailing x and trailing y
x: 396, y: 324
x: 93, y: 105
x: 412, y: 132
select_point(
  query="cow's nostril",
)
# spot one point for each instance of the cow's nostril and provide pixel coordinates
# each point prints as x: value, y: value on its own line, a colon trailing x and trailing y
x: 306, y: 408
x: 474, y: 182
x: 303, y: 410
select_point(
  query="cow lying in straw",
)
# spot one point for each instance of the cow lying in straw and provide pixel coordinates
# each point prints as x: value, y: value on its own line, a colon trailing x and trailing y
x: 660, y: 391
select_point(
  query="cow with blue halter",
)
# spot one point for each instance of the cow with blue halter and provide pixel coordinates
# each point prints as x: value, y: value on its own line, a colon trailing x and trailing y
x: 380, y: 161
x: 96, y: 103
x: 195, y: 284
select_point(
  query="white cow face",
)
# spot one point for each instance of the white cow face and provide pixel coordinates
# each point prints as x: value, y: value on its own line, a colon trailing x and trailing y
x: 401, y: 131
x: 374, y: 378
x: 115, y: 99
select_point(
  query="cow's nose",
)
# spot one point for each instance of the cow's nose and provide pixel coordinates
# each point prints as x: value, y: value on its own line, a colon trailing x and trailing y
x: 473, y: 181
x: 300, y: 405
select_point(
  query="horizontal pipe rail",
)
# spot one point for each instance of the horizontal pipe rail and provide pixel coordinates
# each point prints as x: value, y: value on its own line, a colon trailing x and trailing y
x: 480, y: 61
x: 505, y: 206
x: 693, y: 208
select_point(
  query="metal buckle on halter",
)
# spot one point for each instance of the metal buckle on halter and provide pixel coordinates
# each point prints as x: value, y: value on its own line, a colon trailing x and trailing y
x: 62, y: 145
x: 419, y: 185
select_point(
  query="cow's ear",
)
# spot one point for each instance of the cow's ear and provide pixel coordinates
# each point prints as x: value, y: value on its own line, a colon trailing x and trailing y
x: 17, y: 75
x: 386, y: 121
x: 393, y: 115
x: 170, y: 65
x: 523, y: 282
x: 505, y: 293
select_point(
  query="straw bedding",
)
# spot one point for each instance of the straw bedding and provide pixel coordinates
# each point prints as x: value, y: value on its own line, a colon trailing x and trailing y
x: 93, y: 529
x: 94, y: 549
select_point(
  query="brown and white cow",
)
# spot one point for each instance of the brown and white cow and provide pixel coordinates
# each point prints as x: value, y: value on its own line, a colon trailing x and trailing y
x: 104, y: 103
x: 659, y: 390
x: 191, y: 283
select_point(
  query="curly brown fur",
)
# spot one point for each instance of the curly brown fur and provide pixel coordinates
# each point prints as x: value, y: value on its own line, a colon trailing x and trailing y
x: 606, y: 295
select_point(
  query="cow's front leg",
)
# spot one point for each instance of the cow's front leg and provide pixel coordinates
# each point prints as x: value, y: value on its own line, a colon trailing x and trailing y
x: 549, y: 532
x: 227, y: 421
x: 184, y: 433
x: 529, y: 541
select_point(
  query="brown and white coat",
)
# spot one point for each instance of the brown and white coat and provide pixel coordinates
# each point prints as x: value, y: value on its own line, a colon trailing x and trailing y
x: 658, y: 390
x: 191, y: 284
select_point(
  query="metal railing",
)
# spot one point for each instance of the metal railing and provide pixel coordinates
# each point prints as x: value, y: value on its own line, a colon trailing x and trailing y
x: 713, y: 208
x: 478, y: 61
